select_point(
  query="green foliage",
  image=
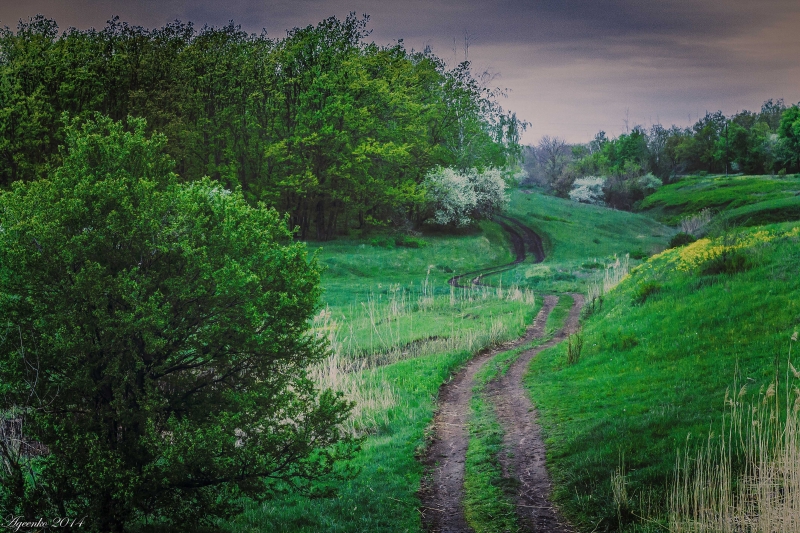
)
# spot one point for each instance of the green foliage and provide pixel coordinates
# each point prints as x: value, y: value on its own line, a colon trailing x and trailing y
x: 322, y: 125
x: 681, y: 239
x: 789, y: 132
x: 644, y: 291
x: 153, y: 336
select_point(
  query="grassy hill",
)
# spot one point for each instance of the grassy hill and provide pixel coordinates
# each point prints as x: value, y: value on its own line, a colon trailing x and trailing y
x: 659, y: 352
x: 658, y: 358
x: 720, y: 193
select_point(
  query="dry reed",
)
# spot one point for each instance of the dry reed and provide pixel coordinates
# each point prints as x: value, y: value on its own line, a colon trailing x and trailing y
x: 763, y: 495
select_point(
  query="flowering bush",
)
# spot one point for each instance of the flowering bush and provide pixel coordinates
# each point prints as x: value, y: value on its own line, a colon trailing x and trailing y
x: 588, y: 190
x: 460, y: 198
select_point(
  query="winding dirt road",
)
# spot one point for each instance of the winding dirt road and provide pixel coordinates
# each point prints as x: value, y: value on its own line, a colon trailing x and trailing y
x: 523, y: 458
x: 523, y: 242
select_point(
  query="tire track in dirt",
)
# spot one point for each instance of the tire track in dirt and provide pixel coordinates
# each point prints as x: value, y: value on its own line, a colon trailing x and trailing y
x: 523, y: 458
x: 442, y: 492
x: 521, y: 240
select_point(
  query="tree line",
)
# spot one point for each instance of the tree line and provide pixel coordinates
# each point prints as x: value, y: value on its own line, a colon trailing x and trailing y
x: 334, y: 131
x: 631, y: 165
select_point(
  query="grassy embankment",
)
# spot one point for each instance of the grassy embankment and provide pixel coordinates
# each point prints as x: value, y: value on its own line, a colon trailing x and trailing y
x: 658, y: 358
x: 746, y: 200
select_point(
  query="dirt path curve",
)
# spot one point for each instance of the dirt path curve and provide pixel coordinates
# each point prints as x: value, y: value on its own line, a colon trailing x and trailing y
x: 442, y: 495
x: 522, y: 240
x: 524, y: 457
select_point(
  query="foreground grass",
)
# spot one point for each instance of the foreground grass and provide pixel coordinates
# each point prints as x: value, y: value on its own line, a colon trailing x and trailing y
x: 694, y: 193
x: 396, y: 337
x: 657, y: 359
x: 383, y: 497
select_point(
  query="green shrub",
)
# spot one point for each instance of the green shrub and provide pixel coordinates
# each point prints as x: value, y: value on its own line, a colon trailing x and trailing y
x: 383, y: 242
x: 729, y: 262
x: 645, y: 291
x: 638, y: 254
x: 681, y: 239
x: 408, y: 241
x: 154, y: 338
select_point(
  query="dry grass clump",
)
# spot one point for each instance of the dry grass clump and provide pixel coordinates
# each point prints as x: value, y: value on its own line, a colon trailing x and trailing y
x: 762, y: 436
x: 696, y: 223
x: 353, y: 366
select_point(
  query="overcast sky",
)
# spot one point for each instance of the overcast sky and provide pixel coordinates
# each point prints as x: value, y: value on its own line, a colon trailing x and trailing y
x: 572, y: 67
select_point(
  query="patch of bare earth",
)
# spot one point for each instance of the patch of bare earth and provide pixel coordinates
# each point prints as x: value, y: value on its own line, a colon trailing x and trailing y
x: 442, y: 492
x: 524, y: 457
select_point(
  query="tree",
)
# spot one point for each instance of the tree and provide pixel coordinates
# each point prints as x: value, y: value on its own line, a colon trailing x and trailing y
x: 789, y: 133
x: 154, y: 339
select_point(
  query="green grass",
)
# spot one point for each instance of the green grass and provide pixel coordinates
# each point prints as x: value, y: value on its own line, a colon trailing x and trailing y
x: 694, y: 193
x: 386, y: 310
x: 383, y: 497
x: 767, y: 212
x: 356, y: 269
x: 578, y: 239
x: 654, y: 372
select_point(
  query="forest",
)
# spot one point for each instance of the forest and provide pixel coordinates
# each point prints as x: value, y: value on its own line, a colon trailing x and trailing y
x: 322, y: 125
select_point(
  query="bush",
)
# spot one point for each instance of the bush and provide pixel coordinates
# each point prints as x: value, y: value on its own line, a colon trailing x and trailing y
x: 638, y: 254
x: 154, y: 339
x: 407, y: 241
x: 681, y: 239
x: 729, y: 262
x: 588, y: 190
x: 460, y: 198
x: 645, y: 291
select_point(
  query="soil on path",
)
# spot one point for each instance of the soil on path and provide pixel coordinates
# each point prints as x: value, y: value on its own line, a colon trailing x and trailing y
x: 442, y: 493
x: 523, y: 241
x: 524, y: 453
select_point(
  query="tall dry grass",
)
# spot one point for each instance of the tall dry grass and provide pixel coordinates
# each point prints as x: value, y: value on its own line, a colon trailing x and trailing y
x: 354, y: 364
x: 696, y: 223
x: 746, y: 480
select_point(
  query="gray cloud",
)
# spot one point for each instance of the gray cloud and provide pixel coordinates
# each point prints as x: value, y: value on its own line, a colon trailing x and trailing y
x: 572, y: 66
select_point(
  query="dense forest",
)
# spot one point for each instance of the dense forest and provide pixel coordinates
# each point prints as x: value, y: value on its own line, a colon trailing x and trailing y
x: 625, y: 169
x: 322, y: 125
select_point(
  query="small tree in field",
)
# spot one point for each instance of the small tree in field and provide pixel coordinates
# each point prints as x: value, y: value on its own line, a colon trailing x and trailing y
x: 154, y: 339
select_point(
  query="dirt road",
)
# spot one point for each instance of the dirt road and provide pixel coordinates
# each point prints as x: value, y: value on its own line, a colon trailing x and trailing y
x: 523, y: 458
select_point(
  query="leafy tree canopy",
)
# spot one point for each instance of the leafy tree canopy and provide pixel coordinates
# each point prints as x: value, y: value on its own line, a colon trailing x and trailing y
x: 154, y: 338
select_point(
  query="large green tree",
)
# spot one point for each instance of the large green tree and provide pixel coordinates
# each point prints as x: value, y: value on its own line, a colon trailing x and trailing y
x: 154, y: 339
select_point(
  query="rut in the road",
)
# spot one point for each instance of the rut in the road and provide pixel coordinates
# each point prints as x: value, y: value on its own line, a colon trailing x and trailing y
x: 524, y: 452
x: 442, y: 495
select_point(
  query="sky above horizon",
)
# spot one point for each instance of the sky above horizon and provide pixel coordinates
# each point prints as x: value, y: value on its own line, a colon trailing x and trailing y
x: 571, y: 67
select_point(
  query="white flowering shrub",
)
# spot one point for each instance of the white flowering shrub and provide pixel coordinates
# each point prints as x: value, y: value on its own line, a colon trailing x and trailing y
x: 459, y: 199
x: 649, y: 184
x: 490, y: 191
x: 588, y: 190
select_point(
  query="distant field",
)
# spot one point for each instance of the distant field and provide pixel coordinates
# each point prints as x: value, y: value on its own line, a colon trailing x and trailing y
x: 694, y: 193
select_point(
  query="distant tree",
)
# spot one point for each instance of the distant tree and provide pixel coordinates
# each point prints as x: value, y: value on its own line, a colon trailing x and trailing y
x: 789, y: 133
x: 154, y: 339
x: 459, y: 198
x: 553, y: 154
